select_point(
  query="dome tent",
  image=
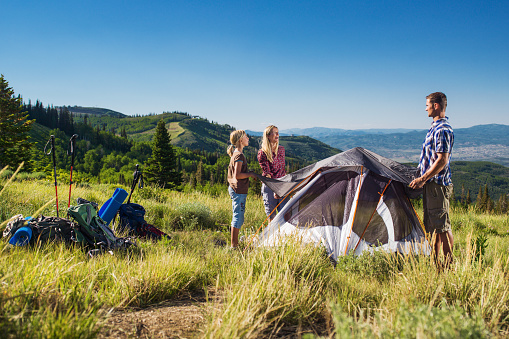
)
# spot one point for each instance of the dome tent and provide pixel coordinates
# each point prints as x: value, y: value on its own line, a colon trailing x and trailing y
x: 350, y: 202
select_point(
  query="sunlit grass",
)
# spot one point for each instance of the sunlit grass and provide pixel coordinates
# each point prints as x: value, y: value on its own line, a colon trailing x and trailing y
x: 57, y: 291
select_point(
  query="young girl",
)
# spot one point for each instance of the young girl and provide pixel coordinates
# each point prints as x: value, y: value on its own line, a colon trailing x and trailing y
x: 238, y: 181
x: 271, y: 158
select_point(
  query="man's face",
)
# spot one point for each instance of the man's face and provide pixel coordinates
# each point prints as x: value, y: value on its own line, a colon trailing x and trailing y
x: 432, y: 109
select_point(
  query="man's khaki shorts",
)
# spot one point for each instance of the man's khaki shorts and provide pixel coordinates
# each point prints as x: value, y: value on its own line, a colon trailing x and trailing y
x: 435, y: 203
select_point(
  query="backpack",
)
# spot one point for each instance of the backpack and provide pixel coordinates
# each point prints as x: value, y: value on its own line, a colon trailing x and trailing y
x: 14, y: 223
x: 132, y: 222
x: 46, y: 229
x: 92, y: 230
x: 131, y: 217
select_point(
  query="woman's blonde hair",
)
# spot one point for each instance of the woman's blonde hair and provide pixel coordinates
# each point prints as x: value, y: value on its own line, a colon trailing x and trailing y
x: 235, y: 138
x: 266, y: 146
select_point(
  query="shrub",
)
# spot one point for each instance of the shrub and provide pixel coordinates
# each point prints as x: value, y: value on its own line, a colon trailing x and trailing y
x: 193, y: 216
x: 152, y: 193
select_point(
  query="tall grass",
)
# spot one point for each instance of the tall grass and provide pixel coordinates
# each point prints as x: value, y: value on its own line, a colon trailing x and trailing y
x: 58, y: 291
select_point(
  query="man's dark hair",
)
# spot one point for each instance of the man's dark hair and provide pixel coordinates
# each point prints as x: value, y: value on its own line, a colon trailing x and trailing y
x: 438, y: 98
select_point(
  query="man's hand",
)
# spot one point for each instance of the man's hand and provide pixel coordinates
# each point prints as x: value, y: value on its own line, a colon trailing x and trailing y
x: 417, y: 183
x: 436, y: 167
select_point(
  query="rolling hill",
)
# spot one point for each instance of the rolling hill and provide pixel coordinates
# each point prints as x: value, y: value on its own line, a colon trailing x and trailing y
x: 196, y: 133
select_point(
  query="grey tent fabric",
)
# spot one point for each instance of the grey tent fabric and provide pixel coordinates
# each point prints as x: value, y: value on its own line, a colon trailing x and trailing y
x: 357, y: 156
x: 352, y: 202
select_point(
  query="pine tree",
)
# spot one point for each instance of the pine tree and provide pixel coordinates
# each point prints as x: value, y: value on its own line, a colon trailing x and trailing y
x: 14, y: 128
x: 469, y: 199
x: 161, y: 168
x: 199, y: 173
x: 192, y: 181
x: 486, y: 200
x: 479, y: 203
x: 502, y: 204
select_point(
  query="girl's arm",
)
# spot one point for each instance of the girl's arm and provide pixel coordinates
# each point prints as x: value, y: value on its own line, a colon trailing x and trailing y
x: 241, y: 175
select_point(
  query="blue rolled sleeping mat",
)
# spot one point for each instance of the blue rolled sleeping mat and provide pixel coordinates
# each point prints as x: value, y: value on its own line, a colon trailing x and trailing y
x: 110, y: 207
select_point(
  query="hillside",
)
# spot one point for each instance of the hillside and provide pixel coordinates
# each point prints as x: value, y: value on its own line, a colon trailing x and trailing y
x: 196, y: 133
x: 471, y: 175
x: 78, y: 110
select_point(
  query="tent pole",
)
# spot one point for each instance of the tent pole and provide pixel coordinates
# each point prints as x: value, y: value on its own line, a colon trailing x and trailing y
x: 367, y: 225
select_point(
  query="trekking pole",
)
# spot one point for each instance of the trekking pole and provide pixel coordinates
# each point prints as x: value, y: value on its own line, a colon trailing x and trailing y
x: 72, y: 145
x: 137, y: 176
x: 52, y: 150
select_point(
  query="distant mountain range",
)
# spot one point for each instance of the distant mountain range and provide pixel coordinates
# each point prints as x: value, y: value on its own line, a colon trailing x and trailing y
x: 477, y: 143
x: 316, y: 132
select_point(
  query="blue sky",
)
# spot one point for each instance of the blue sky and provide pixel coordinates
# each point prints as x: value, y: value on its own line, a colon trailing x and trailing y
x: 295, y: 64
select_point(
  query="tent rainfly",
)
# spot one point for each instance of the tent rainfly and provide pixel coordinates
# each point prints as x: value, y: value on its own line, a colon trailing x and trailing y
x: 351, y: 202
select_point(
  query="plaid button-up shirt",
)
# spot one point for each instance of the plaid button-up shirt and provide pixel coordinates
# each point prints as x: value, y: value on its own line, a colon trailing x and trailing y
x: 439, y: 139
x: 276, y: 168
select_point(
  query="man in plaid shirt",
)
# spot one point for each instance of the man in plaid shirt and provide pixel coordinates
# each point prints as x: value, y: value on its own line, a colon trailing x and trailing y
x: 435, y: 178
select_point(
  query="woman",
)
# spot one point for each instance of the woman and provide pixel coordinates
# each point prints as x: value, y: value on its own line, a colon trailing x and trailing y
x: 272, y: 161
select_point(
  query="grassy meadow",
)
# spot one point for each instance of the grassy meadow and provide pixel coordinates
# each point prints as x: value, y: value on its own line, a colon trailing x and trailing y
x: 56, y: 291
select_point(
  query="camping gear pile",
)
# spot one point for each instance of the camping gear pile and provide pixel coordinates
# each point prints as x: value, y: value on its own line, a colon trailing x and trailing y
x: 86, y: 224
x: 351, y: 202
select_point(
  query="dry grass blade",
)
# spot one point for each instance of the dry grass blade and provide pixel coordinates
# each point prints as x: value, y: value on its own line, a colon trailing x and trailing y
x: 3, y: 169
x: 12, y: 177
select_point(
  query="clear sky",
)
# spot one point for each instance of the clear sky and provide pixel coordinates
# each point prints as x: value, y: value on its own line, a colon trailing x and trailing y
x: 296, y: 64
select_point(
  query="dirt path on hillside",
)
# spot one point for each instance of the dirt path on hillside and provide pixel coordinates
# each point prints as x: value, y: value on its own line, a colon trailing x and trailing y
x: 179, y: 318
x: 183, y: 317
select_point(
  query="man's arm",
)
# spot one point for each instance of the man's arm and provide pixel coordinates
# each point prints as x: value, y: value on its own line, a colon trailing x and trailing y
x: 437, y: 166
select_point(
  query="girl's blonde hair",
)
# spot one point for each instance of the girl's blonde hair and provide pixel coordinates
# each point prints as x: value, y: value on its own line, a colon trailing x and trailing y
x: 266, y: 146
x: 235, y: 138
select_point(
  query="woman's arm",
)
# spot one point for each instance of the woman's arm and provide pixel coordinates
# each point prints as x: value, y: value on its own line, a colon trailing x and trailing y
x: 264, y: 164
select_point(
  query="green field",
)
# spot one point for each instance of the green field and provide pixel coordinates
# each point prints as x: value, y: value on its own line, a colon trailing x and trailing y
x: 58, y: 292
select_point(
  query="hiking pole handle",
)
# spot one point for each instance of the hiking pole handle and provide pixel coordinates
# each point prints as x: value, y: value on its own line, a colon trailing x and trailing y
x: 72, y: 145
x: 54, y: 158
x: 51, y: 141
x: 52, y: 152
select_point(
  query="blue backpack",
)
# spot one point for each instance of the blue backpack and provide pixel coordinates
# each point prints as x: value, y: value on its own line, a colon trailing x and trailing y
x: 132, y: 222
x: 131, y: 218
